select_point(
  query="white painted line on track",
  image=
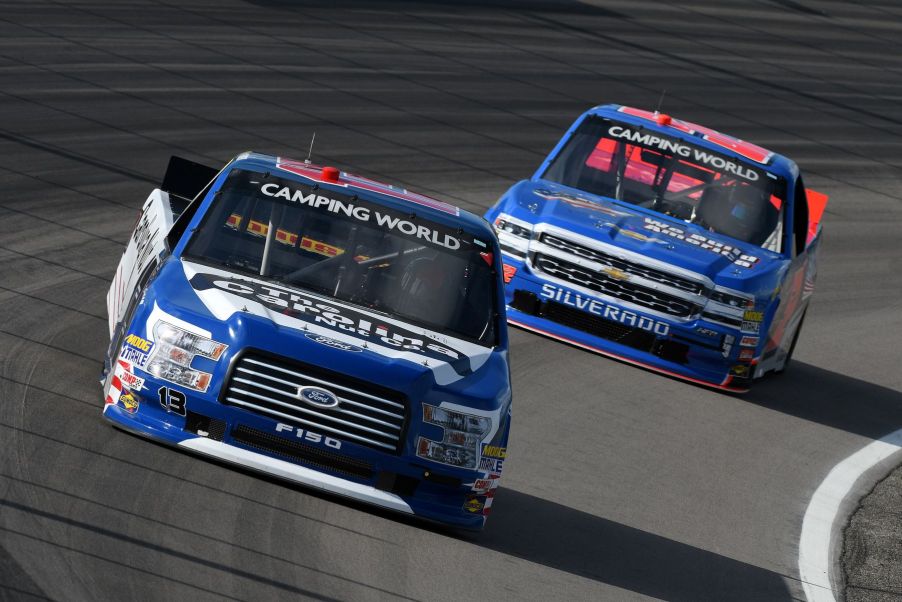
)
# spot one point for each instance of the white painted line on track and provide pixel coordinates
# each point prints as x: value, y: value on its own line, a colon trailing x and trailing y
x: 823, y: 510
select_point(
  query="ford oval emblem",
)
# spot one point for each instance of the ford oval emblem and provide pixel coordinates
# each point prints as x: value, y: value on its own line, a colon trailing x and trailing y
x: 317, y: 397
x: 332, y: 343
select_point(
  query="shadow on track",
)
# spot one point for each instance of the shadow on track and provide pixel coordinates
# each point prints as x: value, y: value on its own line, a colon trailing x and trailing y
x: 582, y: 544
x: 831, y: 399
x: 592, y: 547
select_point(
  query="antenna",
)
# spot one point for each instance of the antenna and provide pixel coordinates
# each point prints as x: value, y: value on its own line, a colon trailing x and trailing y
x: 310, y: 152
x: 661, y: 101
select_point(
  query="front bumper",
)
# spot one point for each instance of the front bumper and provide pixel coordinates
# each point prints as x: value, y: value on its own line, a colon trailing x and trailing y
x: 399, y: 483
x: 682, y: 352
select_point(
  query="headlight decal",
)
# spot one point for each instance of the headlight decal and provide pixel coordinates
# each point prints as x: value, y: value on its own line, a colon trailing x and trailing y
x: 464, y: 430
x: 175, y: 350
x: 172, y: 348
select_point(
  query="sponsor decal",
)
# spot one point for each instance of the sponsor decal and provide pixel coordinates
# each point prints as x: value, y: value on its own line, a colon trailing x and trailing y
x: 749, y: 341
x: 256, y: 228
x: 493, y: 451
x: 309, y: 436
x: 740, y: 370
x: 706, y: 331
x: 317, y: 397
x: 138, y: 343
x: 473, y: 504
x: 136, y: 350
x: 318, y: 338
x: 130, y: 381
x: 364, y: 212
x: 746, y: 354
x: 491, y: 464
x: 486, y: 484
x: 633, y: 234
x: 144, y: 236
x: 751, y: 327
x: 314, y: 310
x: 173, y: 401
x: 693, y: 153
x: 604, y: 310
x: 702, y: 242
x: 576, y: 200
x: 698, y: 240
x: 129, y: 402
x: 319, y: 247
x: 482, y: 485
x: 753, y: 316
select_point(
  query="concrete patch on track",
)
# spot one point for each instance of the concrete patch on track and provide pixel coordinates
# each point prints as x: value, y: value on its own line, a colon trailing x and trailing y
x: 872, y: 545
x: 817, y: 542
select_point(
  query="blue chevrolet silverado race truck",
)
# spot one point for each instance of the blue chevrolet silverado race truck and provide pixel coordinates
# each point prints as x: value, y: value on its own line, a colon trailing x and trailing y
x: 664, y: 244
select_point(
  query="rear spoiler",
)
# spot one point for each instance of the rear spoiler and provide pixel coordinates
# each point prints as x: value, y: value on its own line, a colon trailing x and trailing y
x: 184, y: 181
x: 817, y: 202
x: 185, y: 178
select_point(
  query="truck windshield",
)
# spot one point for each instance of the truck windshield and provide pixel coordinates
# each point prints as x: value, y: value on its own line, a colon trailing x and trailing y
x: 674, y: 177
x: 353, y: 250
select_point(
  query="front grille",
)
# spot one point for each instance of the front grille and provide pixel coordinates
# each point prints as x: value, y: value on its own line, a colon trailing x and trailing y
x: 205, y: 426
x: 598, y: 326
x: 300, y: 452
x: 366, y: 414
x: 619, y: 289
x: 630, y: 267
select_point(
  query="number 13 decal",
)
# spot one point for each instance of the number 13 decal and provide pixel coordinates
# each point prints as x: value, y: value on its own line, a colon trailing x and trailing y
x: 174, y: 401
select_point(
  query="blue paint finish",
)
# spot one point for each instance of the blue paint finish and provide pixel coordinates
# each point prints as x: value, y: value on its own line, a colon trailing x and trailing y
x: 484, y: 389
x: 778, y: 285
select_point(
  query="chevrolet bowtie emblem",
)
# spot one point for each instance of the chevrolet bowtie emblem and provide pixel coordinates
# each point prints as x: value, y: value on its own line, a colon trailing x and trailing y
x: 615, y: 273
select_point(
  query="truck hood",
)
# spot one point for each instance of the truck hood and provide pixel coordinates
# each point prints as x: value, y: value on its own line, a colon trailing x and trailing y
x: 648, y: 233
x: 304, y: 325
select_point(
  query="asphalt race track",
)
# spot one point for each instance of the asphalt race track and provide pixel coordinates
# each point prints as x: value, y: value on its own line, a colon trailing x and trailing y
x: 621, y: 484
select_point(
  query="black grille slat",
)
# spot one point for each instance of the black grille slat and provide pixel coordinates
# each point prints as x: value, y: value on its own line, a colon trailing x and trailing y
x: 729, y: 321
x: 666, y: 278
x: 620, y: 289
x: 595, y: 325
x: 366, y: 414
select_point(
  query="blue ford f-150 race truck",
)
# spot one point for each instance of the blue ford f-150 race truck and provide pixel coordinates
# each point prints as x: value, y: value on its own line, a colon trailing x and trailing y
x: 320, y: 327
x: 664, y: 244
